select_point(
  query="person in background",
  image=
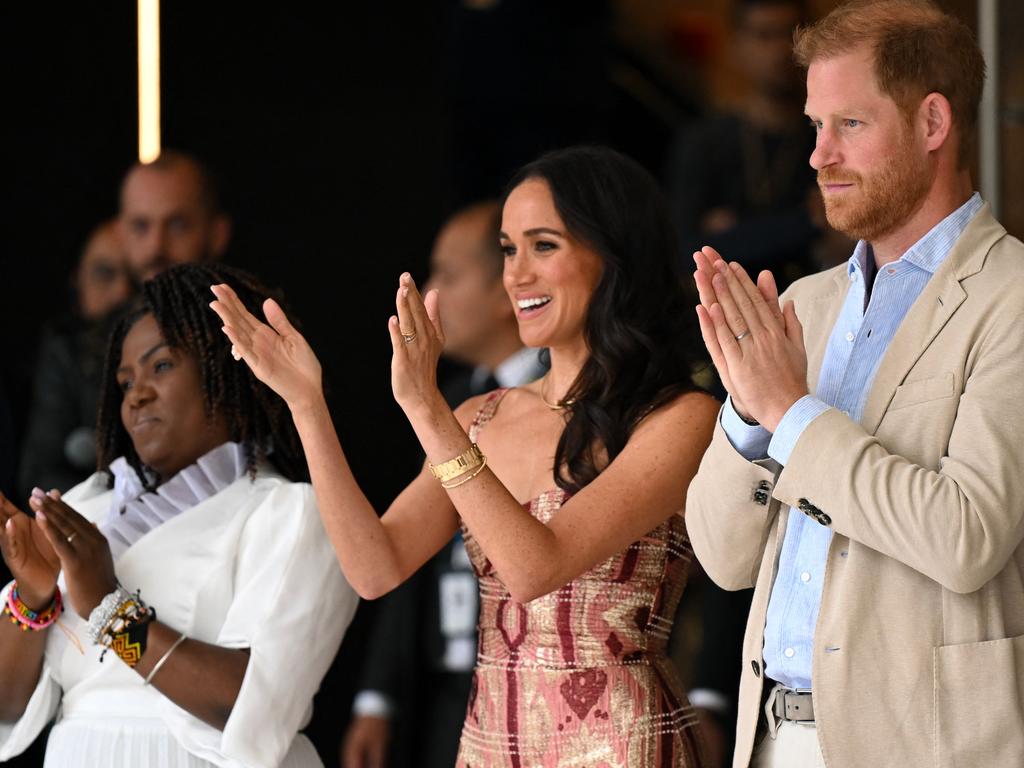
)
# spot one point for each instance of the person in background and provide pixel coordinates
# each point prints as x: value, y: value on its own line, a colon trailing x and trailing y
x: 422, y: 646
x: 171, y: 214
x: 59, y: 449
x: 739, y: 180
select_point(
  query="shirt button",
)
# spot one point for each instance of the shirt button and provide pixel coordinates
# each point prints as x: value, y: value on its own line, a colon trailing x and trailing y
x: 850, y: 336
x: 891, y: 270
x: 805, y: 577
x: 853, y: 277
x: 789, y: 652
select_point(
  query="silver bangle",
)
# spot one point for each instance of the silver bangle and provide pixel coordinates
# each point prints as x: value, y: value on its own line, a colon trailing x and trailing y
x: 105, y: 611
x: 165, y: 657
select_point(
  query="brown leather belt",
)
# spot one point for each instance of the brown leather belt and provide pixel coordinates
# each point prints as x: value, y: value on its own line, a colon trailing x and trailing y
x: 796, y: 706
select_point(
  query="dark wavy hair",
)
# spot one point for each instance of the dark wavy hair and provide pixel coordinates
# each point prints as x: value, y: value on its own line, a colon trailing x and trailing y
x: 640, y: 326
x: 179, y: 300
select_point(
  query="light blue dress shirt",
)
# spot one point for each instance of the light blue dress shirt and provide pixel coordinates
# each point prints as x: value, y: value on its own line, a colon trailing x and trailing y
x: 855, y: 348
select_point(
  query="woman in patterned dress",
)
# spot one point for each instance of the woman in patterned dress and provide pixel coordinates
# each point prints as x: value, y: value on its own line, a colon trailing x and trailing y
x: 575, y: 523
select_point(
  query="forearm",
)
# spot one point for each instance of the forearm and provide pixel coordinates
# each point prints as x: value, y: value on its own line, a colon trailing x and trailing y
x: 21, y: 663
x: 201, y: 678
x: 361, y: 542
x: 523, y: 551
x: 726, y: 520
x: 957, y: 525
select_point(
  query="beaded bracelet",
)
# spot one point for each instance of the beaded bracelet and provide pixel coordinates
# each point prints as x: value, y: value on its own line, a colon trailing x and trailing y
x: 30, y: 620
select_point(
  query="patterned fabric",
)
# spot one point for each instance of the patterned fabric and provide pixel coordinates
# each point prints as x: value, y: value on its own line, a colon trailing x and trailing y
x: 580, y: 676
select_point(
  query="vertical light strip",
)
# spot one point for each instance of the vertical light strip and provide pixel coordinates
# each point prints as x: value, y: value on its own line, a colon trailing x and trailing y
x: 149, y: 80
x: 988, y: 117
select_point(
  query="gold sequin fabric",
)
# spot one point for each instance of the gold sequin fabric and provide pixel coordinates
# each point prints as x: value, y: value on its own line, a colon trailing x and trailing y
x: 580, y: 677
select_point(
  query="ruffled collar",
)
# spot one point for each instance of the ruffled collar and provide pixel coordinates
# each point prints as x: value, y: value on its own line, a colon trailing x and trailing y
x: 134, y: 511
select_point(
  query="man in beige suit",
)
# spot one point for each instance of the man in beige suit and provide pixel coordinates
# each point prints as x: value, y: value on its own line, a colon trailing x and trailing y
x: 867, y: 473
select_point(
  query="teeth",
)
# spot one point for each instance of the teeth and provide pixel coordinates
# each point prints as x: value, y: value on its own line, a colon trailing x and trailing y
x: 527, y: 303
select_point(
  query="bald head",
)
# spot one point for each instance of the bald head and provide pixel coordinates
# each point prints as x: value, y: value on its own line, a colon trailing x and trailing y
x: 466, y: 266
x: 170, y: 215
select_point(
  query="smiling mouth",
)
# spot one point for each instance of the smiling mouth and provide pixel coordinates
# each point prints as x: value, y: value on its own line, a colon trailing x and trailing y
x: 532, y: 306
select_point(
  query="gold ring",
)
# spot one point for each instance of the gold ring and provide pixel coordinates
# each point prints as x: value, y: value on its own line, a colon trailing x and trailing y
x: 743, y: 335
x: 409, y: 338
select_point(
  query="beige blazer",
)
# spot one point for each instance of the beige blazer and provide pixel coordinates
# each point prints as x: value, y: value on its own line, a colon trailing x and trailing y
x: 919, y: 645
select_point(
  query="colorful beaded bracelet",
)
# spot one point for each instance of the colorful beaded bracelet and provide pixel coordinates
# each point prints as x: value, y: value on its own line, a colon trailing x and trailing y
x: 25, y: 617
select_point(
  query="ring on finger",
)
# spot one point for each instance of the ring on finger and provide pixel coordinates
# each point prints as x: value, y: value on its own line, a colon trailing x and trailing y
x: 408, y: 336
x: 742, y: 336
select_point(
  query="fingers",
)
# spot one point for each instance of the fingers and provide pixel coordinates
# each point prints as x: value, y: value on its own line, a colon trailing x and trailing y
x: 67, y: 518
x: 724, y: 334
x: 738, y: 311
x: 770, y: 291
x: 406, y: 320
x: 231, y: 309
x: 794, y: 329
x: 704, y: 260
x: 764, y: 312
x: 707, y: 332
x: 432, y: 305
x: 394, y: 330
x: 277, y: 318
x: 414, y: 302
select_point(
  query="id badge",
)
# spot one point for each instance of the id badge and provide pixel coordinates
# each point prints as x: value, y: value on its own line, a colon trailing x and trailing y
x: 458, y: 604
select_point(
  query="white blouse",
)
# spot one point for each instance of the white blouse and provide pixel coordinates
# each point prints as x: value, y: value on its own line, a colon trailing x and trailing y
x: 249, y: 567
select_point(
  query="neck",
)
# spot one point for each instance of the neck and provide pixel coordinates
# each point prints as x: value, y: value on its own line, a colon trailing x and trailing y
x: 566, y: 364
x: 941, y: 200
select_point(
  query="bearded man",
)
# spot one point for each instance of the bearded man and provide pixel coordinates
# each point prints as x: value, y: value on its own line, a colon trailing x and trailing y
x: 865, y: 475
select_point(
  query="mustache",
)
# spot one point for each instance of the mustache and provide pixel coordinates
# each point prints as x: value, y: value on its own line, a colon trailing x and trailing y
x: 832, y: 176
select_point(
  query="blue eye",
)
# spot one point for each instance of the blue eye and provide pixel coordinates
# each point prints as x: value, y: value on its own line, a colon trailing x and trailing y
x: 816, y: 125
x: 851, y: 123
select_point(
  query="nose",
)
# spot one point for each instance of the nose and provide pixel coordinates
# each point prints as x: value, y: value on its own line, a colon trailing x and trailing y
x: 517, y: 270
x: 825, y: 150
x: 139, y: 394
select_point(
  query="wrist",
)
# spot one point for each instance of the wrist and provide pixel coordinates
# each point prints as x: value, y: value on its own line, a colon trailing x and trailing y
x: 311, y: 408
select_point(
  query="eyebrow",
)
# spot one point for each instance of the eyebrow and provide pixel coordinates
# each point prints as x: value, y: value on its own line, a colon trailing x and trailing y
x: 146, y: 355
x: 536, y: 231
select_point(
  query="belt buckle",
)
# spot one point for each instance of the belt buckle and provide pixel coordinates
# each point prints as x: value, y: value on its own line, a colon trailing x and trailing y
x: 796, y: 717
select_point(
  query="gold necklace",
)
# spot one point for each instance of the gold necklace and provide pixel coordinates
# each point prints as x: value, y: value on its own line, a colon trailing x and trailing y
x: 560, y: 405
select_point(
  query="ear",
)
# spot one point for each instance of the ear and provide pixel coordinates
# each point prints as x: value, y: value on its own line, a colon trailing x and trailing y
x: 220, y: 234
x: 936, y: 117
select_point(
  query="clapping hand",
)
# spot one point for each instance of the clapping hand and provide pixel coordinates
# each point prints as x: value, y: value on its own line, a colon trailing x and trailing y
x: 757, y: 348
x: 28, y: 554
x: 278, y: 355
x: 416, y: 344
x: 83, y: 552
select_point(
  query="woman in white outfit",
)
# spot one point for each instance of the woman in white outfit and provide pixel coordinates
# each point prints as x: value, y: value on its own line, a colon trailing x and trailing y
x: 202, y: 601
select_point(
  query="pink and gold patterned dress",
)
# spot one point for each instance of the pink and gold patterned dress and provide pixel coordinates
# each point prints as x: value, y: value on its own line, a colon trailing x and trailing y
x: 580, y: 677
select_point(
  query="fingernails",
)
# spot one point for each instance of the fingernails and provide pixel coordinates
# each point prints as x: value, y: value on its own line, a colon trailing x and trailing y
x: 38, y: 493
x: 53, y: 494
x: 40, y: 515
x: 405, y: 292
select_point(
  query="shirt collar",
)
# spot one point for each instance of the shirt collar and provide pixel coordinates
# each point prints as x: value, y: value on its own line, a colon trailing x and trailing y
x: 930, y: 251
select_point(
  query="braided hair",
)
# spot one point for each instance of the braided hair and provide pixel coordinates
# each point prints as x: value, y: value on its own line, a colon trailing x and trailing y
x: 179, y: 299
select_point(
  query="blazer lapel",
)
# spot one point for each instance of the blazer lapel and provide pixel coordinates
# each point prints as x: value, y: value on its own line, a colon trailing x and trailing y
x: 818, y: 328
x: 938, y: 302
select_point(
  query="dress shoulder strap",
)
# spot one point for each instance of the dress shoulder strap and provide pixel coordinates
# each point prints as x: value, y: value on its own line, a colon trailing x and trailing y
x: 486, y: 412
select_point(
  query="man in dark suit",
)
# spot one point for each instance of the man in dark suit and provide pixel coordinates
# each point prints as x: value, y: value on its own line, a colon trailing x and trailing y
x: 422, y: 645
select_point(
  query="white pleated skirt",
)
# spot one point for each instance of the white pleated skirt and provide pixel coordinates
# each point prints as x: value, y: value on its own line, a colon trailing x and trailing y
x: 84, y: 742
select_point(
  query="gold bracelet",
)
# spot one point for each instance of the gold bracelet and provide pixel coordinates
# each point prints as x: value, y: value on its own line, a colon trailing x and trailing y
x: 464, y: 478
x: 460, y: 465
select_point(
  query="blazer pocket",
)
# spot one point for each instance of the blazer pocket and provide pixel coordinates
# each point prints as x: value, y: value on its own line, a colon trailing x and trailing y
x: 979, y: 704
x: 923, y: 390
